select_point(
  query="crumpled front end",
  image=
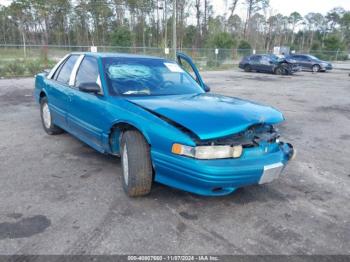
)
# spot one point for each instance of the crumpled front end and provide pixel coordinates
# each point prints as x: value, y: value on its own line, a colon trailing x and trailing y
x: 262, y: 160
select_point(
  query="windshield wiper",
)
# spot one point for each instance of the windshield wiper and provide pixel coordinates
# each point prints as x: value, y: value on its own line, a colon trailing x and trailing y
x: 132, y: 92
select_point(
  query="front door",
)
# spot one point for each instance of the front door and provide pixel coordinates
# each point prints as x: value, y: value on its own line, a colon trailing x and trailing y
x: 266, y: 64
x: 305, y: 62
x: 87, y: 111
x: 187, y: 64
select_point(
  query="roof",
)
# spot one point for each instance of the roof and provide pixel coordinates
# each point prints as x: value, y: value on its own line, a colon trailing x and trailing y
x: 101, y: 54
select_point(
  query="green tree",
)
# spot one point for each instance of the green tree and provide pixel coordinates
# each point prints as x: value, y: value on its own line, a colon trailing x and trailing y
x: 294, y: 19
x: 221, y: 40
x: 345, y: 22
x: 243, y: 44
x: 121, y: 37
x: 333, y: 43
x: 253, y: 6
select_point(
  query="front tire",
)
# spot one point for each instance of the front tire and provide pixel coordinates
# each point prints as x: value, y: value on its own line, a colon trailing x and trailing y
x: 279, y: 70
x: 247, y: 68
x: 316, y: 68
x: 136, y: 164
x: 46, y: 118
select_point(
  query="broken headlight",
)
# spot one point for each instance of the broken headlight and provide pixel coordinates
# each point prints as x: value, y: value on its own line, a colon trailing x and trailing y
x: 208, y: 152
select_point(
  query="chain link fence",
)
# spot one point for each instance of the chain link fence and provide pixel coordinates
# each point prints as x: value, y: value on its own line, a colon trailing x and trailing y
x: 19, y: 60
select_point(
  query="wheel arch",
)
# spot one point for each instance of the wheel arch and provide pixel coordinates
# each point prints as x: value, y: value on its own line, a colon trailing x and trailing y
x: 117, y: 129
x: 316, y: 64
x: 42, y: 94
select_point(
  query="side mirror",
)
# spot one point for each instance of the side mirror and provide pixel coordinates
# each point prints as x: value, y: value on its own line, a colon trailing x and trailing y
x: 206, y: 88
x: 90, y: 87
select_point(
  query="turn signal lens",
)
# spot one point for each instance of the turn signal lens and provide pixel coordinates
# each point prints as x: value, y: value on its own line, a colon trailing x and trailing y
x: 176, y: 149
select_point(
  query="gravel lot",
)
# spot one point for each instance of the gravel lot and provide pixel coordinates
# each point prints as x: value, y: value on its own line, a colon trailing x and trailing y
x: 58, y: 196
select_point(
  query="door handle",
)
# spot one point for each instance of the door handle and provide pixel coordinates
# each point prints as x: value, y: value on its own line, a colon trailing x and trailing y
x: 70, y: 97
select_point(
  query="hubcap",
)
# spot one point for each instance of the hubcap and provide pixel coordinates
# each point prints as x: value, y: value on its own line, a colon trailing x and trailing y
x: 46, y: 116
x: 125, y: 165
x: 315, y: 68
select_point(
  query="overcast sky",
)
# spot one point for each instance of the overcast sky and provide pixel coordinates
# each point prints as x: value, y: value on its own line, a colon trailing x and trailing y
x: 279, y: 6
x: 286, y: 7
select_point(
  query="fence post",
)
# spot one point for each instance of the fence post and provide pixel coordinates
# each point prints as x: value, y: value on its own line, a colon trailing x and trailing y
x: 336, y: 55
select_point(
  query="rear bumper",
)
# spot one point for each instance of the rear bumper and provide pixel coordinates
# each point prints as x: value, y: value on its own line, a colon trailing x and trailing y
x: 296, y: 68
x: 222, y: 176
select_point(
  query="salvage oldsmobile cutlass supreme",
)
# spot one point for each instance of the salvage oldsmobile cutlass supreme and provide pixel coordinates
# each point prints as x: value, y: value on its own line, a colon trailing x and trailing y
x: 160, y: 118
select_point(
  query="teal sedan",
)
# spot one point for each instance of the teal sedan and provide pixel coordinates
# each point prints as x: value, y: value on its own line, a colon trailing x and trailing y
x: 159, y: 116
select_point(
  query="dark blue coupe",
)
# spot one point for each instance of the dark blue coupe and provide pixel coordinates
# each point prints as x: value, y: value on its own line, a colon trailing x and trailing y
x: 269, y: 64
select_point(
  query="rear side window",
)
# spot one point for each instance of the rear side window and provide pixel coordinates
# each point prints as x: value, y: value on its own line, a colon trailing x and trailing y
x: 88, y: 71
x: 255, y: 58
x: 66, y: 69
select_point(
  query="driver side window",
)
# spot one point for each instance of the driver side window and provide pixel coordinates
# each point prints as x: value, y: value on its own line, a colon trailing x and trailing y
x: 87, y: 72
x: 188, y: 68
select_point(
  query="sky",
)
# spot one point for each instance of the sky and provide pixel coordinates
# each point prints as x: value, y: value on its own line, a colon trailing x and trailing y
x: 284, y: 7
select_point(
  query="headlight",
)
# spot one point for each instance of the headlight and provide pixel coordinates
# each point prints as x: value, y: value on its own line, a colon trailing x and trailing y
x: 208, y: 152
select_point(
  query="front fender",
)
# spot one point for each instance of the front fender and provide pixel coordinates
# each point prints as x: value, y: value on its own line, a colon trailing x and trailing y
x: 158, y: 133
x: 40, y: 86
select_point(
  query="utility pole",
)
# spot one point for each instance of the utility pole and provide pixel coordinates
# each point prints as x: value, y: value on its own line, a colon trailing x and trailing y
x: 166, y: 26
x: 21, y: 30
x: 174, y: 29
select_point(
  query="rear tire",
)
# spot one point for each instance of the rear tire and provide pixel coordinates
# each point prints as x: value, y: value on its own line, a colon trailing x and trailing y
x: 136, y: 164
x: 46, y: 118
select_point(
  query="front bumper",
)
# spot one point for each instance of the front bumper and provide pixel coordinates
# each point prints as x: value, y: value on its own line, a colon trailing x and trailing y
x: 219, y: 176
x: 327, y: 67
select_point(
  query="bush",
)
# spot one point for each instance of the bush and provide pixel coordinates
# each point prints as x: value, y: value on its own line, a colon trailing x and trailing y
x: 244, y: 45
x: 212, y: 63
x: 15, y: 68
x: 244, y: 48
x: 34, y: 67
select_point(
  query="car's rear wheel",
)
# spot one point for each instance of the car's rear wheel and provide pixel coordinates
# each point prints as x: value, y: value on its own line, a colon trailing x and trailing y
x: 46, y: 118
x: 136, y: 164
x: 316, y: 68
x: 247, y: 68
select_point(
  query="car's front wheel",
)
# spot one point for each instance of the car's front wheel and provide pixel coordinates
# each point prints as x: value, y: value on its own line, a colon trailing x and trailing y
x: 280, y: 70
x: 136, y: 164
x: 46, y: 118
x: 315, y: 68
x: 247, y: 68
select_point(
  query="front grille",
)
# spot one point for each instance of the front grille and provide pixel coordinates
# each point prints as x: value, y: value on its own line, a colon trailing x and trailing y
x: 251, y: 137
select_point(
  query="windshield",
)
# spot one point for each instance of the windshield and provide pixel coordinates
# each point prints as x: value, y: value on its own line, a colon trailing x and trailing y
x: 147, y: 77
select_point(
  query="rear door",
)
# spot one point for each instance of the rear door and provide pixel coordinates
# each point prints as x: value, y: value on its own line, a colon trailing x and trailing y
x: 187, y: 64
x: 58, y: 90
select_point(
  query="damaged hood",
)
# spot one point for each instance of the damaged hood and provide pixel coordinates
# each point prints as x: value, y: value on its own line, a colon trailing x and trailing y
x: 207, y: 115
